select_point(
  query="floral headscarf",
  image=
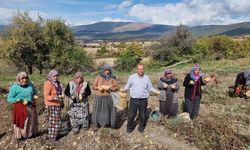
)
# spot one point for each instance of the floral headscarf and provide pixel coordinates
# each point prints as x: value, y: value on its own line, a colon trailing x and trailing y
x: 19, y: 76
x: 78, y: 86
x: 194, y: 76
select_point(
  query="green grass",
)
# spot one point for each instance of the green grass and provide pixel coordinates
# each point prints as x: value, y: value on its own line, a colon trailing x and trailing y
x: 221, y: 67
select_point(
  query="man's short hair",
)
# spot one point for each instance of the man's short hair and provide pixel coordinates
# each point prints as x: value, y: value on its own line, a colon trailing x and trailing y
x: 140, y: 64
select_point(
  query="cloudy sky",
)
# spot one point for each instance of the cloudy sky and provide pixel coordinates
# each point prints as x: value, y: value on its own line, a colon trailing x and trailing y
x: 169, y: 12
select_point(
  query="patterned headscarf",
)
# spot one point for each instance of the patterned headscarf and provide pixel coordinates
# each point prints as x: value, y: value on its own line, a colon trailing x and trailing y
x: 19, y: 76
x: 108, y: 76
x: 194, y: 76
x: 56, y: 84
x: 78, y: 86
x: 77, y: 75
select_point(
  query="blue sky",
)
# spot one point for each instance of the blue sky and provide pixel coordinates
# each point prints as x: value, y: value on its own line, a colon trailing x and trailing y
x: 170, y: 12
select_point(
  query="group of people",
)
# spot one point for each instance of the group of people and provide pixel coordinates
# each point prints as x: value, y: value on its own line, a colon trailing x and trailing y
x: 104, y: 114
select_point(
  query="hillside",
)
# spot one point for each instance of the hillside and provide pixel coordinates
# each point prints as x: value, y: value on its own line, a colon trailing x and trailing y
x: 116, y: 31
x: 142, y: 31
x: 121, y: 31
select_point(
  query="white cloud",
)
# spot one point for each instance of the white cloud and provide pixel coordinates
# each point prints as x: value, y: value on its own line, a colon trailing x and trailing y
x: 238, y: 6
x: 110, y: 6
x: 115, y: 19
x: 6, y: 14
x: 194, y: 12
x: 124, y: 4
x: 79, y: 22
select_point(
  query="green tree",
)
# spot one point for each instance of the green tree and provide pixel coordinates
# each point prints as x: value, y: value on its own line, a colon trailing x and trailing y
x: 24, y: 42
x: 129, y: 57
x: 79, y: 61
x: 174, y: 47
x: 60, y: 43
x: 101, y: 52
x: 182, y: 40
x: 224, y: 46
x: 202, y: 47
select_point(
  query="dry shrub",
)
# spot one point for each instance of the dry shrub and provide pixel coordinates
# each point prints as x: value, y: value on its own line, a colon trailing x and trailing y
x: 210, y: 132
x: 104, y: 138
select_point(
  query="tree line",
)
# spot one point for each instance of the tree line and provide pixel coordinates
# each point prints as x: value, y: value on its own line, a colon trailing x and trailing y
x: 42, y: 44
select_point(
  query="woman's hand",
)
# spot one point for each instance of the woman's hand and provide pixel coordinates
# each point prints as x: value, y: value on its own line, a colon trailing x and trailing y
x: 165, y: 85
x: 25, y: 101
x: 101, y: 89
x: 191, y: 82
x: 173, y: 86
x: 35, y: 97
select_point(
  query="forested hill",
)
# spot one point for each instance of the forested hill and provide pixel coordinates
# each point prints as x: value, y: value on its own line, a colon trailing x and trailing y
x: 133, y: 30
x: 143, y: 31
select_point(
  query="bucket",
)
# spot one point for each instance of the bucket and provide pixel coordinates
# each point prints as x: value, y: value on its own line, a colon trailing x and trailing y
x: 155, y: 116
x: 184, y: 116
x: 64, y: 128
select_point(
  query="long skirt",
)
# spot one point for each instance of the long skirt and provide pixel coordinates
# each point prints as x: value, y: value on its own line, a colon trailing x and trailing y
x: 30, y: 125
x: 104, y: 113
x: 79, y: 115
x: 193, y: 106
x: 53, y: 116
x: 168, y: 108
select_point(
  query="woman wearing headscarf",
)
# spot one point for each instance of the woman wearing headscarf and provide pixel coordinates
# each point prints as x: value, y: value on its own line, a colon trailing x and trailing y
x: 168, y: 87
x: 104, y: 113
x: 53, y: 101
x: 192, y: 83
x: 78, y: 91
x: 22, y: 95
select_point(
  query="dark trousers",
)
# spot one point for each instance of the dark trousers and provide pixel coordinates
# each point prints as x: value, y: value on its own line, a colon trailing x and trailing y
x: 192, y: 106
x: 141, y: 105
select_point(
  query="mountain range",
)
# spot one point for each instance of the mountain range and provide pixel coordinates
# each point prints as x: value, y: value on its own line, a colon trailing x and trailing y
x: 144, y: 31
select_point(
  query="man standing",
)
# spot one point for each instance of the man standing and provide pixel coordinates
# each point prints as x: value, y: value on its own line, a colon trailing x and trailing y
x: 139, y: 85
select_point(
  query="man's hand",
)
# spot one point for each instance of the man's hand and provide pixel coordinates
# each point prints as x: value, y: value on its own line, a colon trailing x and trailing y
x: 158, y: 92
x: 122, y: 90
